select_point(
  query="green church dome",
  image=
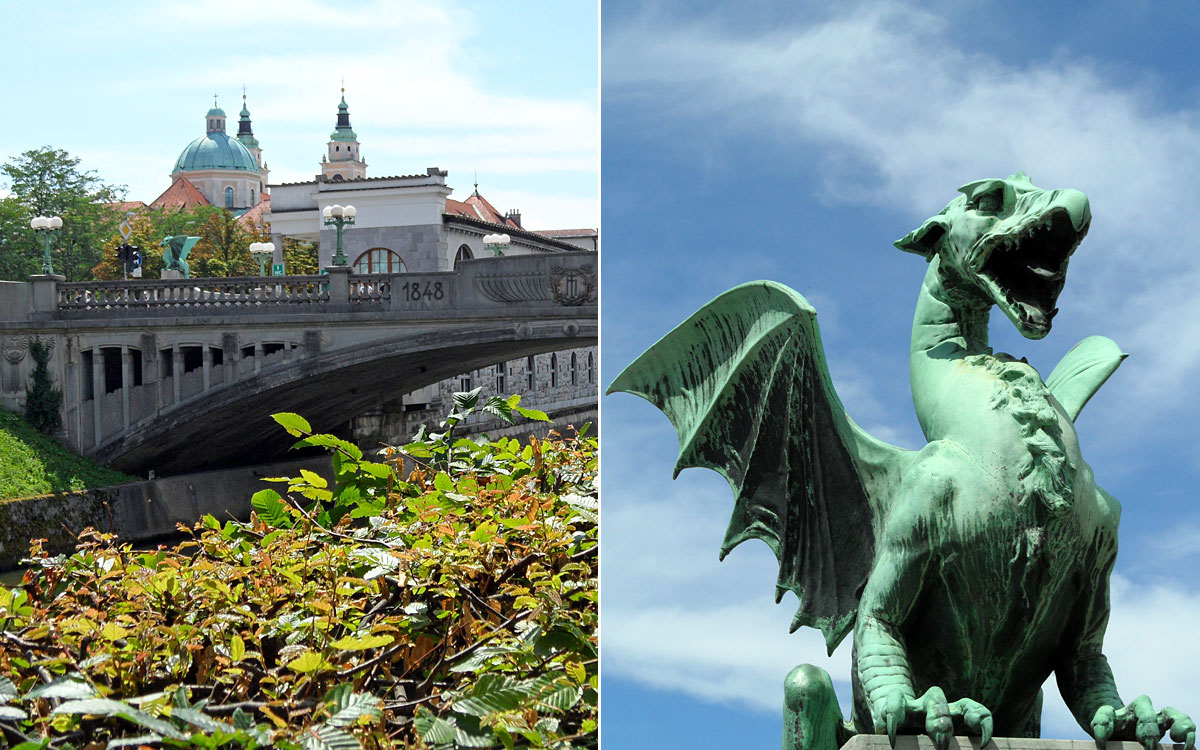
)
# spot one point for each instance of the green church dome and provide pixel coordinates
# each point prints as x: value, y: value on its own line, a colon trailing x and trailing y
x: 215, y: 150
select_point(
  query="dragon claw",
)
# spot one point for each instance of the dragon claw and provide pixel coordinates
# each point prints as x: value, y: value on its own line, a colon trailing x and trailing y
x: 985, y: 734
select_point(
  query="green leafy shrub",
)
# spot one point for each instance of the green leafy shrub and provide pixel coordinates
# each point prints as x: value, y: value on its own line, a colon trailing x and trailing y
x: 42, y: 399
x: 410, y: 605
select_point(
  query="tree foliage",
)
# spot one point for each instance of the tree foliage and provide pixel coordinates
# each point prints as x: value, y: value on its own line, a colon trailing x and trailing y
x: 223, y: 250
x: 49, y: 182
x: 300, y: 257
x: 412, y: 603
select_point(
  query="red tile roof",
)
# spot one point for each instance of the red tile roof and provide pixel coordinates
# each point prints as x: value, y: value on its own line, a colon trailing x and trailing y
x: 182, y: 195
x: 126, y: 206
x: 566, y: 232
x: 254, y: 217
x: 476, y: 207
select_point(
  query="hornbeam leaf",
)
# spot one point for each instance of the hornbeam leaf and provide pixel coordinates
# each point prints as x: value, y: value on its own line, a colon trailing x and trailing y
x: 535, y: 414
x: 325, y: 737
x: 350, y: 643
x: 347, y: 707
x: 8, y: 690
x: 295, y: 424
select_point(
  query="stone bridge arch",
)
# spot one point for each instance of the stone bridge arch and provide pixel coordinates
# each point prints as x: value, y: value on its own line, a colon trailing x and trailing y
x: 327, y: 346
x: 326, y: 389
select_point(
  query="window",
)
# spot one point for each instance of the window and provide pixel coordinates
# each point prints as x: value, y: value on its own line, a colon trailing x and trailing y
x: 379, y: 260
x: 464, y: 382
x: 553, y: 370
x: 500, y: 379
x: 530, y: 370
x: 591, y: 369
x: 574, y: 369
x: 464, y: 253
x: 228, y: 197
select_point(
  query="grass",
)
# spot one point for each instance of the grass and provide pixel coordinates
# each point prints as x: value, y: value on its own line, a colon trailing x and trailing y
x: 34, y: 464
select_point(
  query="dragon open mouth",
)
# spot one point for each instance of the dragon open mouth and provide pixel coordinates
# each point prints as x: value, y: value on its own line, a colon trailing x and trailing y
x: 1025, y: 269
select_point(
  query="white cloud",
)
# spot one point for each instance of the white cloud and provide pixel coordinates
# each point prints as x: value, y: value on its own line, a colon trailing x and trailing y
x: 903, y: 115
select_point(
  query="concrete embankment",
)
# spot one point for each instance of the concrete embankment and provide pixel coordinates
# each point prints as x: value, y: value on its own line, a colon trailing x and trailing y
x: 138, y: 511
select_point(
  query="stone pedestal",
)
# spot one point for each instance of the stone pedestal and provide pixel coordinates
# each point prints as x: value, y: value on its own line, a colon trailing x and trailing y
x: 45, y: 291
x: 172, y: 275
x: 914, y: 742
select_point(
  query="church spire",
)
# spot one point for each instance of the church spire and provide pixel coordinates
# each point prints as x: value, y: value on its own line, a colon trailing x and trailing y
x: 343, y: 131
x: 245, y: 134
x: 342, y: 160
x: 245, y: 130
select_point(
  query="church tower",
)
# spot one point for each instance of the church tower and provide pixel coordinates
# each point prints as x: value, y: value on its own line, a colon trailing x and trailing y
x: 246, y: 136
x: 343, y: 161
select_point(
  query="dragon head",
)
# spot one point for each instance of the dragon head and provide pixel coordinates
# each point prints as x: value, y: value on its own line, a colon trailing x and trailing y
x: 1007, y: 242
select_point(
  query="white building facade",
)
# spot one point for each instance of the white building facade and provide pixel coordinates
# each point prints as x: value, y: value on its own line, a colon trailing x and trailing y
x: 410, y: 223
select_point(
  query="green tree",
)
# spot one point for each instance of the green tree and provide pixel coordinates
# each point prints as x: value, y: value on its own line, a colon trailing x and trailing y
x: 150, y: 226
x: 300, y: 257
x: 49, y: 182
x: 20, y: 255
x: 224, y: 248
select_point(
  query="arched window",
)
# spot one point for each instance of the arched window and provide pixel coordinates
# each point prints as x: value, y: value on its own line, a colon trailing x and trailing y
x: 574, y: 369
x: 464, y: 253
x: 553, y: 370
x: 228, y: 197
x: 530, y: 370
x: 379, y: 260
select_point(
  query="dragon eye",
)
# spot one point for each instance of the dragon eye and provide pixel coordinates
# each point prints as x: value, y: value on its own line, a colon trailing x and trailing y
x: 990, y: 202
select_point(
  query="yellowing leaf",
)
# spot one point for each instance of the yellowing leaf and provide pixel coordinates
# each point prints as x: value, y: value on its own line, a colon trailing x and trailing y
x: 113, y: 631
x: 237, y: 648
x: 309, y: 661
x: 350, y: 643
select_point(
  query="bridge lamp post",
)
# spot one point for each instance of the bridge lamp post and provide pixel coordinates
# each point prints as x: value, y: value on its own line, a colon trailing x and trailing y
x: 46, y: 226
x: 260, y: 251
x: 497, y: 243
x: 339, y: 216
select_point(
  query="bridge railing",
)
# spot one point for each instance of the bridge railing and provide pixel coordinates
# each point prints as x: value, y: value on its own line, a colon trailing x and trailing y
x: 370, y: 289
x: 238, y: 292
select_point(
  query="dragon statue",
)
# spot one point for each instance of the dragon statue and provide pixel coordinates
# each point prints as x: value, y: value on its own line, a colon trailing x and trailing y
x: 967, y: 571
x: 175, y: 250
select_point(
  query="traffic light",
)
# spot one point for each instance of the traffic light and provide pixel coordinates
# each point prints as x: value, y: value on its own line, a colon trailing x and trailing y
x: 130, y: 257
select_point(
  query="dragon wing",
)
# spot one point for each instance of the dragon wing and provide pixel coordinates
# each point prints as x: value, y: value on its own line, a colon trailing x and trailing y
x: 1082, y: 371
x: 745, y: 384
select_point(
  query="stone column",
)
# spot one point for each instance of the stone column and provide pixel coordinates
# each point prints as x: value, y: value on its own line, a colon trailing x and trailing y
x: 97, y: 391
x: 176, y: 371
x: 229, y: 350
x: 206, y: 357
x: 126, y: 381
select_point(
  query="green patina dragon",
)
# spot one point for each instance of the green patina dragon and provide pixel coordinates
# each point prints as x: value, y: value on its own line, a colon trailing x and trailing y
x: 969, y: 570
x: 175, y: 250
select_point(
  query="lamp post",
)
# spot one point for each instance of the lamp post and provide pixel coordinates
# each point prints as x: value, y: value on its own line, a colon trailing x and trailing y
x: 497, y: 243
x: 338, y: 216
x: 46, y: 225
x: 260, y: 251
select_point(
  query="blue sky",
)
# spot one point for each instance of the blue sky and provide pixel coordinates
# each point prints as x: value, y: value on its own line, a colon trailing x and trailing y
x: 463, y: 86
x: 796, y: 146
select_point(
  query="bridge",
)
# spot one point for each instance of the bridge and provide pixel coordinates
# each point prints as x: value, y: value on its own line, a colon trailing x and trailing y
x: 182, y: 375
